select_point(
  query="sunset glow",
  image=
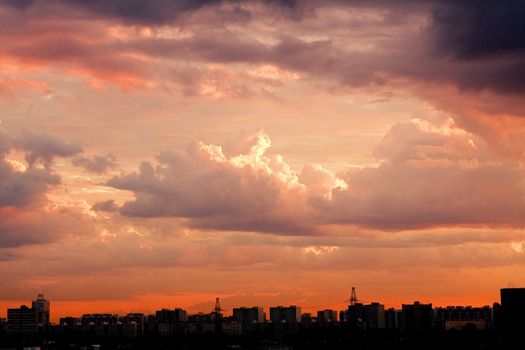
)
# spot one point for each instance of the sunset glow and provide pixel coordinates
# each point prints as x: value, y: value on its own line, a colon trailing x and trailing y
x: 160, y: 154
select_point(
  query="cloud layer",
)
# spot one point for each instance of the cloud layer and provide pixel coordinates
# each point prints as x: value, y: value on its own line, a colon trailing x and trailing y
x: 429, y: 176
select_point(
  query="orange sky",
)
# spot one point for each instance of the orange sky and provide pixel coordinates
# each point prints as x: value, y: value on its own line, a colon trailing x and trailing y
x: 263, y: 152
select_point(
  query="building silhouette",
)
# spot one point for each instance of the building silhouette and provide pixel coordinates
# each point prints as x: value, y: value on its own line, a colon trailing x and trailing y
x: 417, y: 317
x: 391, y: 317
x: 371, y: 316
x: 459, y: 317
x: 29, y: 320
x: 326, y: 316
x: 21, y: 320
x: 512, y: 317
x: 250, y: 318
x: 42, y: 308
x: 285, y: 314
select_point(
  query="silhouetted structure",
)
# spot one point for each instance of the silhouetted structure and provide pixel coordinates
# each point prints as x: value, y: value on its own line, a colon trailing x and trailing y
x: 326, y: 316
x: 353, y: 297
x: 21, y: 320
x: 459, y: 317
x: 370, y: 316
x: 42, y: 311
x: 513, y: 317
x: 417, y: 317
x: 361, y: 327
x: 25, y: 320
x: 249, y: 318
x: 253, y: 314
x: 217, y: 316
x: 391, y: 316
x: 282, y: 314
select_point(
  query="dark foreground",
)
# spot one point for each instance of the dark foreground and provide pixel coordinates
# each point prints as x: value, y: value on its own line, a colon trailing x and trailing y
x: 335, y: 338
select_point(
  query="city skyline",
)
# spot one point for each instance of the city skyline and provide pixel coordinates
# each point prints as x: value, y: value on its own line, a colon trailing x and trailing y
x: 164, y: 153
x: 229, y: 306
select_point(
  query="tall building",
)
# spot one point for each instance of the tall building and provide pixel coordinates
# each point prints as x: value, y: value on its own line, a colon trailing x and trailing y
x: 248, y: 315
x: 282, y: 314
x: 459, y: 317
x: 391, y: 316
x: 370, y: 316
x: 41, y: 307
x: 327, y: 316
x: 417, y: 317
x: 512, y: 318
x: 375, y: 316
x: 21, y: 320
x: 170, y: 316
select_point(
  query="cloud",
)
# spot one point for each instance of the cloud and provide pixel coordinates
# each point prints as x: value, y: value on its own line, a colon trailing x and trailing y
x: 21, y: 186
x: 246, y: 191
x: 26, y: 214
x: 41, y: 224
x: 106, y: 206
x: 44, y: 147
x: 484, y: 29
x: 473, y: 47
x: 430, y: 175
x: 97, y: 164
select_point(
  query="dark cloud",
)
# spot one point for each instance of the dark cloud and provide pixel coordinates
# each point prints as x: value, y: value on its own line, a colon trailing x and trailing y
x: 44, y: 147
x: 159, y: 12
x: 484, y: 40
x: 24, y: 188
x: 472, y: 45
x: 477, y: 29
x: 129, y: 11
x: 96, y: 164
x: 20, y: 4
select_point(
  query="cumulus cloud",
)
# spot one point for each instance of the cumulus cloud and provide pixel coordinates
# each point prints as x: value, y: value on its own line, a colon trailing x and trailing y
x: 430, y: 175
x: 247, y: 191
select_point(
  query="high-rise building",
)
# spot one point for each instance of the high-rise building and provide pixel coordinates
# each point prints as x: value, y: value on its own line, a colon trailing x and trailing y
x: 327, y: 316
x: 282, y: 314
x: 42, y: 310
x: 21, y: 320
x: 459, y: 317
x: 170, y: 316
x: 391, y: 316
x: 417, y: 317
x: 370, y: 316
x: 248, y: 315
x: 512, y: 321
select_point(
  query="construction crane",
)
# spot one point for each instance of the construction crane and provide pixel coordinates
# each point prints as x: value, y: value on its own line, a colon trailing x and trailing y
x: 217, y: 315
x: 353, y: 297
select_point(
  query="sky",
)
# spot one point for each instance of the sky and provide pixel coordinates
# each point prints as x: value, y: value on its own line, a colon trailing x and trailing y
x: 278, y: 152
